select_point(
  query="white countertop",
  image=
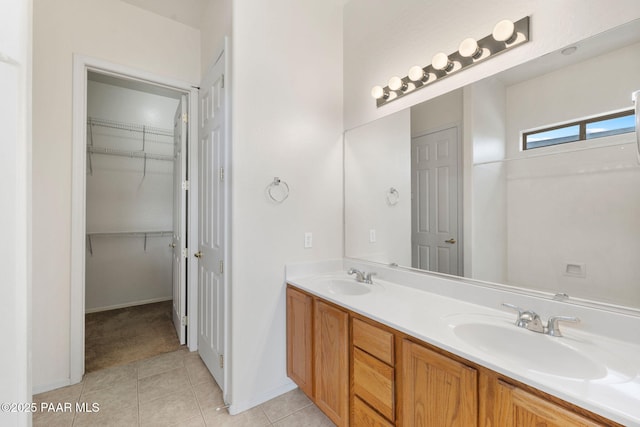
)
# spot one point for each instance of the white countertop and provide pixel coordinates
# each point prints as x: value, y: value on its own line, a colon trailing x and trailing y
x: 613, y: 393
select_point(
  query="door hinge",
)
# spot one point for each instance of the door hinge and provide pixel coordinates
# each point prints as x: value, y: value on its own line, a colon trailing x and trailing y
x: 185, y: 118
x: 186, y: 185
x: 221, y: 361
x: 185, y: 252
x: 222, y: 83
x: 184, y: 321
x: 221, y: 174
x: 221, y: 267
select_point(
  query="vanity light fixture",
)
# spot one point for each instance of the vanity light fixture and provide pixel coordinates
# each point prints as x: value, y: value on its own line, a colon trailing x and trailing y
x: 379, y: 93
x: 441, y: 62
x: 417, y: 74
x: 506, y: 35
x: 505, y: 31
x: 469, y: 48
x: 396, y: 83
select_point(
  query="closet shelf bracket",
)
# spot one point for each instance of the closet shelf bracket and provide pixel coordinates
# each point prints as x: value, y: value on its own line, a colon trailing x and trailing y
x: 143, y: 234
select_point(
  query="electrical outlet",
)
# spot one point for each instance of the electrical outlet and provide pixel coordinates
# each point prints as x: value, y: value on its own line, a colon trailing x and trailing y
x: 372, y: 235
x: 308, y: 240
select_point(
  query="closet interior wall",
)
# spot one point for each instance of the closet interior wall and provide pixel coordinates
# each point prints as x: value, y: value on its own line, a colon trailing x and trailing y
x: 129, y: 198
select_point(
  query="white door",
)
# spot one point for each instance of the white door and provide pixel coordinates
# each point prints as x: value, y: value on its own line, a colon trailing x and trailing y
x: 179, y: 220
x: 211, y: 227
x: 434, y: 185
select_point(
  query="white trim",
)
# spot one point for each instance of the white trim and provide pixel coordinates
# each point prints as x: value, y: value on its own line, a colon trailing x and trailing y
x: 81, y: 65
x: 128, y: 304
x: 227, y: 222
x: 192, y: 228
x: 262, y: 397
x: 51, y: 386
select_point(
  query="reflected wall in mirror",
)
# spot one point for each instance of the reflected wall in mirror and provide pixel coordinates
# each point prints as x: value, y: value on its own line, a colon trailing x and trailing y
x: 558, y: 219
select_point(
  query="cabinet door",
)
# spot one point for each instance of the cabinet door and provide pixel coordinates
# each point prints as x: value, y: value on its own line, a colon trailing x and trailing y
x: 516, y: 407
x: 300, y: 339
x: 436, y: 390
x: 331, y: 340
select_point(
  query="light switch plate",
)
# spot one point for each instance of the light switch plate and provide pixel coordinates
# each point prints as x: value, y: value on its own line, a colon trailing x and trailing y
x: 308, y: 240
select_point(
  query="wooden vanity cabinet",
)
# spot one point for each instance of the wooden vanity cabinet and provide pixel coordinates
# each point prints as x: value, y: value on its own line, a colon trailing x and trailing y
x: 300, y: 339
x: 437, y: 390
x: 513, y: 406
x: 374, y: 376
x: 318, y: 353
x: 331, y: 348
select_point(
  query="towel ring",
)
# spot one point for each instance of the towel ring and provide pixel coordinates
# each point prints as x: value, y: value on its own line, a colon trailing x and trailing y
x: 278, y: 190
x: 393, y: 197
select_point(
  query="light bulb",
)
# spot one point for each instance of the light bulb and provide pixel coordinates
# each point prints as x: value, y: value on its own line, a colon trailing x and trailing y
x: 469, y: 48
x: 378, y: 92
x: 417, y: 74
x: 396, y: 83
x: 441, y: 62
x: 504, y: 31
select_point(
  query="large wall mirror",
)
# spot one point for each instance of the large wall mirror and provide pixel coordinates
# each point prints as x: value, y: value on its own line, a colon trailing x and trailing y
x: 446, y: 185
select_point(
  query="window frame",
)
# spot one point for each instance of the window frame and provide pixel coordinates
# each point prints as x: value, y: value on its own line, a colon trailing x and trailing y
x: 582, y: 126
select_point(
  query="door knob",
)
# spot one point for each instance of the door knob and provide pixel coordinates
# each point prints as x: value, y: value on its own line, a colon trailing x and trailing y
x: 172, y: 245
x: 452, y: 241
x: 198, y: 254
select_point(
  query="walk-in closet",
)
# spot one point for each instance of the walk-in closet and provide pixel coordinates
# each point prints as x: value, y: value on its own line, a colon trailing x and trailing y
x: 130, y: 220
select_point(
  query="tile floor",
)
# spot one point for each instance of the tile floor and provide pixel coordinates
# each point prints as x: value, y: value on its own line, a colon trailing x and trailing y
x: 173, y: 389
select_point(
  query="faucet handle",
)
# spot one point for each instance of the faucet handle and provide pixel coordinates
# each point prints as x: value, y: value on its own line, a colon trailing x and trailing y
x: 526, y: 318
x: 367, y: 278
x: 552, y: 324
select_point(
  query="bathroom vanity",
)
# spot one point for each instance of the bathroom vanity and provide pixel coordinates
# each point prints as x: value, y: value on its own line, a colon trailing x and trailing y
x: 385, y: 354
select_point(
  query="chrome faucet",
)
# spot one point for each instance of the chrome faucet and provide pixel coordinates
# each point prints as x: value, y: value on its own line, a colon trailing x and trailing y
x: 361, y: 276
x: 552, y: 324
x: 530, y: 320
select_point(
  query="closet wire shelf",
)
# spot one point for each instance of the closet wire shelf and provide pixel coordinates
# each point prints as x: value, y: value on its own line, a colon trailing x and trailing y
x: 145, y: 234
x: 144, y: 130
x: 131, y: 127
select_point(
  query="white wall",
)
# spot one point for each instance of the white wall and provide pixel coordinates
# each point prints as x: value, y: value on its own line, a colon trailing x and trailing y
x: 15, y: 215
x: 119, y: 270
x: 436, y: 114
x: 383, y: 40
x: 377, y: 156
x: 287, y: 122
x: 106, y: 29
x: 216, y: 24
x: 486, y: 253
x: 580, y: 207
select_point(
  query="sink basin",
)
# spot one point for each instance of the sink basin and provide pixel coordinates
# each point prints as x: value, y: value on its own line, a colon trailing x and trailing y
x: 348, y: 287
x: 534, y: 351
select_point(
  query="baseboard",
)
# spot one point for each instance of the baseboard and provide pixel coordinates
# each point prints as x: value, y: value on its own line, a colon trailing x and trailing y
x: 37, y: 389
x: 238, y: 407
x: 128, y: 304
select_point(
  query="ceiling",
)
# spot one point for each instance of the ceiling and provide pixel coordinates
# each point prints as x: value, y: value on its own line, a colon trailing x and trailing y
x: 188, y: 12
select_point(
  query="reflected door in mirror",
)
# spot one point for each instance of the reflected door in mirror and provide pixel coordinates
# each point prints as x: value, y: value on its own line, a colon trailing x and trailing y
x: 434, y: 186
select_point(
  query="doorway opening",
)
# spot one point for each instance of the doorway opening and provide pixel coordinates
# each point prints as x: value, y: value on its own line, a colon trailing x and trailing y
x: 134, y: 221
x: 130, y: 222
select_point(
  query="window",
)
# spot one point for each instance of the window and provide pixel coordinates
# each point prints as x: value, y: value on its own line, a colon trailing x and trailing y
x: 594, y: 127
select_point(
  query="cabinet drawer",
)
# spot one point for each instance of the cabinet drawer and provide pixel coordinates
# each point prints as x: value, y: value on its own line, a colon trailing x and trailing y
x: 373, y: 382
x: 375, y: 341
x: 364, y: 416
